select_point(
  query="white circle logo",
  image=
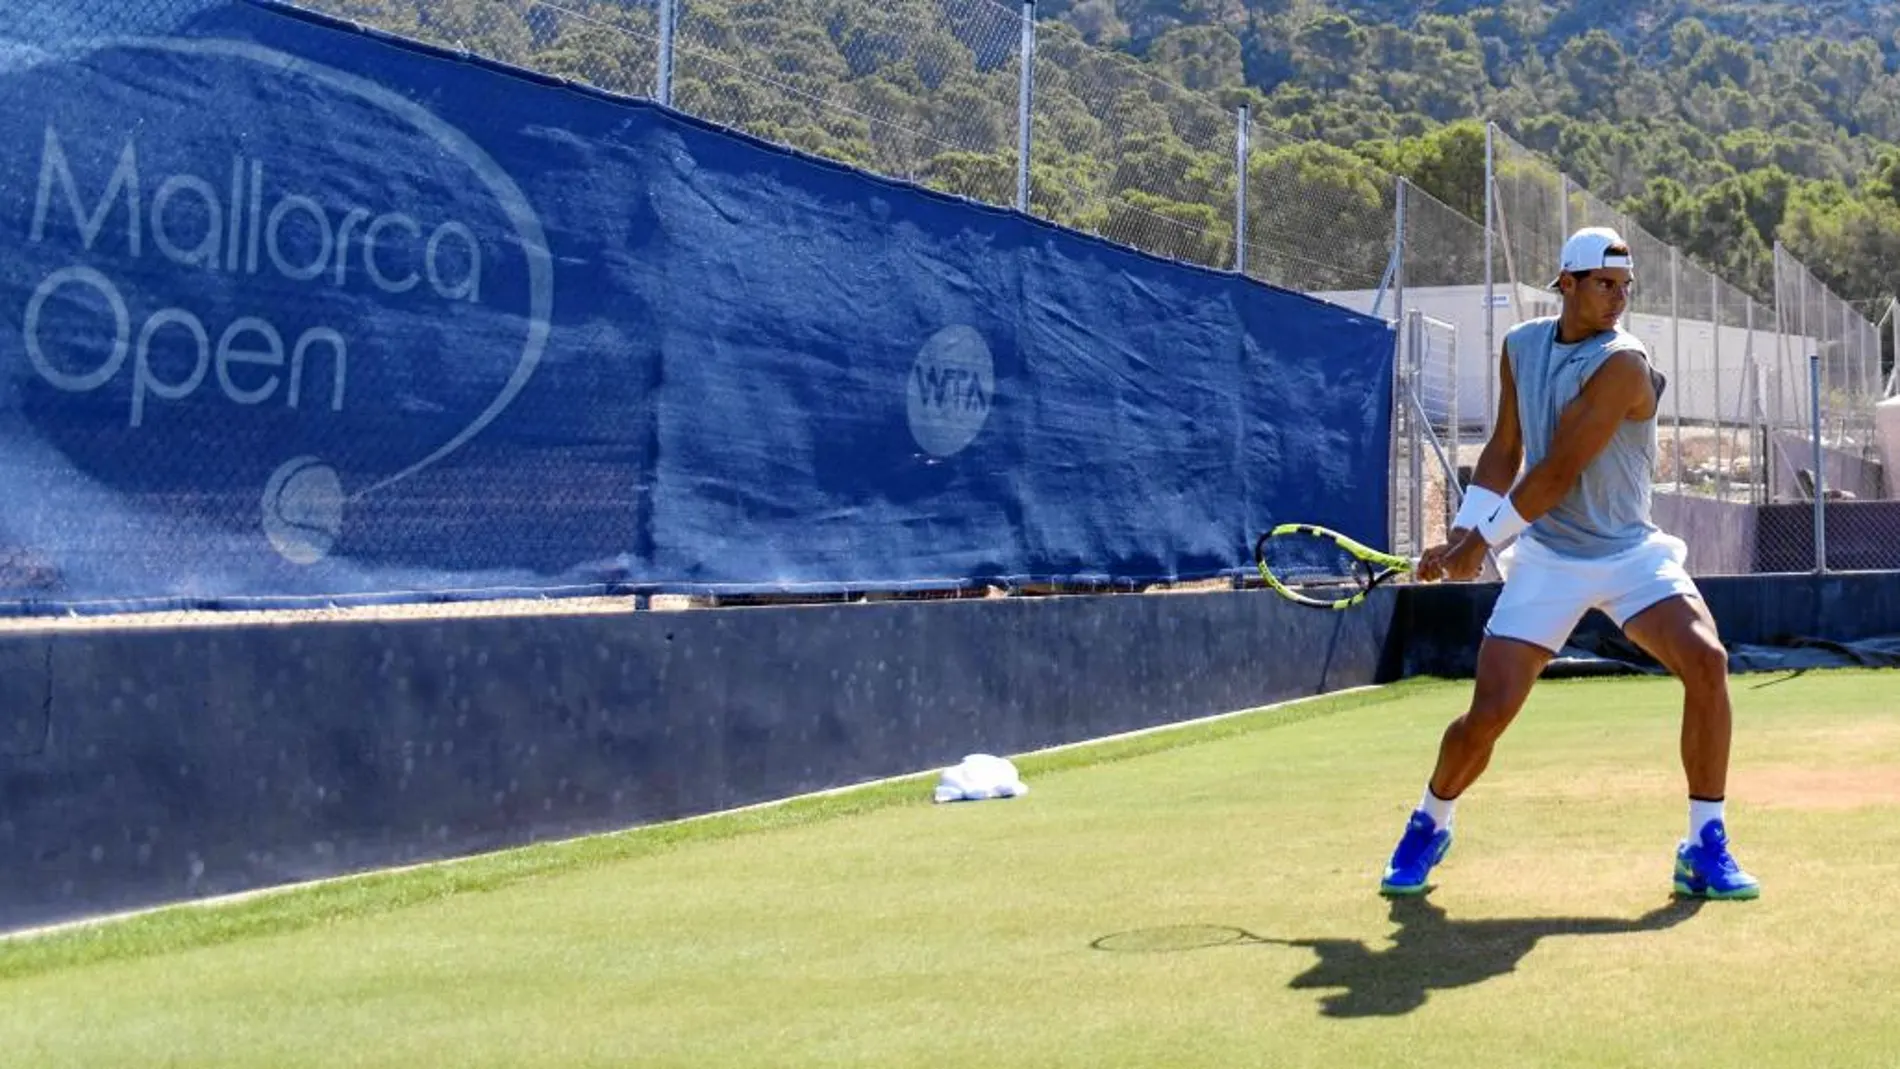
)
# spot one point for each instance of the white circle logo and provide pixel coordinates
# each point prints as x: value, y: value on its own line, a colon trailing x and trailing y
x: 303, y: 510
x: 951, y: 386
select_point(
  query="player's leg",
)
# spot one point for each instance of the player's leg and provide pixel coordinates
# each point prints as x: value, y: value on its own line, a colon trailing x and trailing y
x: 1539, y: 607
x: 1681, y: 634
x: 1507, y: 670
x: 1661, y: 611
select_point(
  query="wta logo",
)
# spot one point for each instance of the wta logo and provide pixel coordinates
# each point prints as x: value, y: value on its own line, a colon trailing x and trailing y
x: 345, y: 260
x: 952, y: 384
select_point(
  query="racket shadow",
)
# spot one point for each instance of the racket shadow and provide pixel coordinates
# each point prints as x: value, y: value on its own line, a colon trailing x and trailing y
x: 1429, y: 952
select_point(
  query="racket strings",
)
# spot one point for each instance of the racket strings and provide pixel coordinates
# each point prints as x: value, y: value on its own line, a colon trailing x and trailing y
x: 1299, y: 559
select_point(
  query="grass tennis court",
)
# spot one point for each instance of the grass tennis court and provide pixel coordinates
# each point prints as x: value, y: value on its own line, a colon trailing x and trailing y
x: 1202, y: 897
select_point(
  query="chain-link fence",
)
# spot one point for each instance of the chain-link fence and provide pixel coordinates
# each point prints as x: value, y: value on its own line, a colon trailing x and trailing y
x: 1740, y: 423
x: 934, y: 91
x: 1440, y: 282
x: 1320, y: 219
x: 1821, y: 324
x: 1424, y: 478
x: 1124, y: 154
x: 1530, y: 222
x: 1733, y: 391
x: 925, y: 92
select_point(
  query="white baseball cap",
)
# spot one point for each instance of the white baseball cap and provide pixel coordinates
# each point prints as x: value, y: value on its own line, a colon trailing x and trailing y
x: 1592, y: 248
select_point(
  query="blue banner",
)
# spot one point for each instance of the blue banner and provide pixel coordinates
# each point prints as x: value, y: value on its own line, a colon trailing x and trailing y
x: 291, y: 311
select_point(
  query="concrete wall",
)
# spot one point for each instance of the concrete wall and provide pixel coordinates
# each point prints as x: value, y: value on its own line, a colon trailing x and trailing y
x: 1721, y: 534
x: 144, y: 766
x: 1846, y: 471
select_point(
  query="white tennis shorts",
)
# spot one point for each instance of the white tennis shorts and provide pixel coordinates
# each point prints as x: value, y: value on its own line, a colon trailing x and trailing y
x: 1546, y: 594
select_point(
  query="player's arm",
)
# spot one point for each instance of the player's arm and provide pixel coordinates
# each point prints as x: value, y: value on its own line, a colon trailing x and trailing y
x: 1620, y: 389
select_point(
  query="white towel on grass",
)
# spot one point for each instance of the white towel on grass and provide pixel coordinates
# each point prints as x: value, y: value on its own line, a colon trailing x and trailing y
x: 980, y: 776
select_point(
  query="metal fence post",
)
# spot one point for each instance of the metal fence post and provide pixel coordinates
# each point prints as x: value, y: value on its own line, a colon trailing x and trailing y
x: 1394, y: 503
x: 1406, y: 378
x: 668, y: 31
x: 1715, y: 354
x: 1243, y: 131
x: 1563, y: 212
x: 1025, y: 99
x: 1400, y: 355
x: 1753, y: 411
x: 1490, y: 283
x: 1398, y: 252
x: 1820, y: 467
x: 1777, y: 384
x: 1415, y: 377
x: 1848, y: 375
x: 1815, y: 338
x: 1675, y: 356
x: 1454, y: 423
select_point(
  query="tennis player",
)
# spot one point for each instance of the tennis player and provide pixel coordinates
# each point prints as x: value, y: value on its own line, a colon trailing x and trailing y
x: 1578, y: 412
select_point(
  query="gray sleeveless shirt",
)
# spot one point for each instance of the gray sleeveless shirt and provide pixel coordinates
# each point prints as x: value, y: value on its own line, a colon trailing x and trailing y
x: 1608, y: 510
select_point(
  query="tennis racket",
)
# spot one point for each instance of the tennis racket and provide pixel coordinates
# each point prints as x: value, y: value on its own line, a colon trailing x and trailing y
x: 1297, y: 557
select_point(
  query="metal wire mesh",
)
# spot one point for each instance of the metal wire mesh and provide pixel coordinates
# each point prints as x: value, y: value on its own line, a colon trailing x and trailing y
x: 1124, y: 154
x: 1689, y: 466
x: 1444, y: 250
x: 608, y: 44
x: 1319, y: 219
x: 1737, y: 423
x: 928, y: 91
x: 921, y: 91
x: 1586, y: 209
x: 1407, y: 473
x: 1529, y: 217
x: 1443, y: 276
x: 1848, y: 347
x: 925, y: 92
x: 1736, y: 386
x: 1433, y: 455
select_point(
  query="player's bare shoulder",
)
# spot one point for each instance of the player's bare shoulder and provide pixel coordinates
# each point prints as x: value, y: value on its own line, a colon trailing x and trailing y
x: 1622, y: 341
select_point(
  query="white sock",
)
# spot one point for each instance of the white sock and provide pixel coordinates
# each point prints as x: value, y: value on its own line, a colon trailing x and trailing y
x: 1439, y: 809
x: 1700, y: 813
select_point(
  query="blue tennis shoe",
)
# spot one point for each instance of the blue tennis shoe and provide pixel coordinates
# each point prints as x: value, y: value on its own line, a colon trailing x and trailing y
x: 1706, y: 869
x: 1422, y: 846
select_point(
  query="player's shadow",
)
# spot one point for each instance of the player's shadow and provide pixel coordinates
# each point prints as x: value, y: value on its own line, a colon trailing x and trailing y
x: 1430, y: 952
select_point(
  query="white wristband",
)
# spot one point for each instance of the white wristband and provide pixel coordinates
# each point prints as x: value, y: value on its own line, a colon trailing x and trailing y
x: 1479, y: 503
x: 1503, y: 525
